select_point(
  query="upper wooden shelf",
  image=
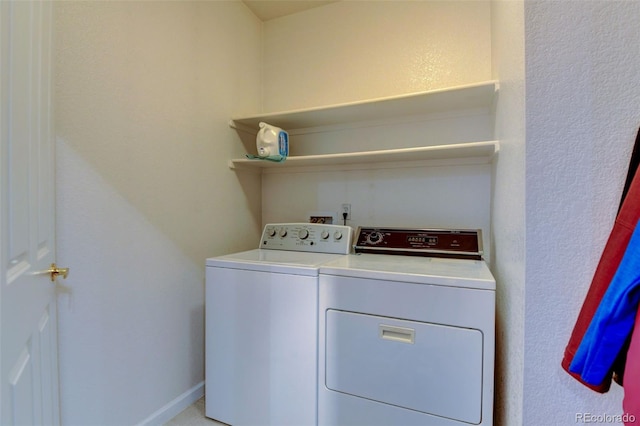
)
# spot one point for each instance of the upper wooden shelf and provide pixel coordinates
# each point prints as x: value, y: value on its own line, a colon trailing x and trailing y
x: 480, y: 96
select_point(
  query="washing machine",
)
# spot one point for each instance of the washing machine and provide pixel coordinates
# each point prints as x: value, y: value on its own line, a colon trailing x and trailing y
x: 261, y: 326
x: 407, y: 331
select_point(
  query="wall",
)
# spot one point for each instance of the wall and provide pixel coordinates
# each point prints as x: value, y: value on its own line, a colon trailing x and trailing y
x: 508, y: 207
x: 349, y: 51
x: 582, y: 116
x: 353, y: 50
x: 143, y: 94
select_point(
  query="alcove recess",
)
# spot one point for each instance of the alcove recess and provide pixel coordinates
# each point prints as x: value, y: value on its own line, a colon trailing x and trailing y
x: 434, y: 106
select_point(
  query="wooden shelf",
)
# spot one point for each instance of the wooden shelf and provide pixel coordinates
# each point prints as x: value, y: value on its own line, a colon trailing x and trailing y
x: 471, y: 98
x: 481, y: 151
x: 480, y: 96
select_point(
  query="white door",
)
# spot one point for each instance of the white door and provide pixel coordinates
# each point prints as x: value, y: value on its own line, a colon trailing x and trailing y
x: 28, y: 339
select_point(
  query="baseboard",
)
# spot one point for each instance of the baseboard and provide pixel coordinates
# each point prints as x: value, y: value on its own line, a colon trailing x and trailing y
x: 174, y: 407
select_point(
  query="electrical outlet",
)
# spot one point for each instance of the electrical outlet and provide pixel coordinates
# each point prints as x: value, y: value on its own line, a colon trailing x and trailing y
x: 346, y: 208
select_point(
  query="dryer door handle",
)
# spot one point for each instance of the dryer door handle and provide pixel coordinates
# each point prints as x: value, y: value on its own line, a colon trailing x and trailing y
x: 397, y: 334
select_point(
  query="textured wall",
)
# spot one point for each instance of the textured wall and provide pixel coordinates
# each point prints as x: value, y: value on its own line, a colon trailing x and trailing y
x: 143, y: 94
x: 353, y: 50
x: 507, y: 210
x: 582, y: 116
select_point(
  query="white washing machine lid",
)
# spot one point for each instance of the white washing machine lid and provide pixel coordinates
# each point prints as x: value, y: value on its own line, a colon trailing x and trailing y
x: 277, y: 261
x: 413, y: 269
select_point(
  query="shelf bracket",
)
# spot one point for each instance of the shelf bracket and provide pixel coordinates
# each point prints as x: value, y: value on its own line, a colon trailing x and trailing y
x: 242, y: 128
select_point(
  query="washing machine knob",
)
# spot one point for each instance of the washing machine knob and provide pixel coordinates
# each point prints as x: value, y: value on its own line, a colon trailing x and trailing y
x: 337, y: 235
x: 303, y: 234
x: 324, y: 234
x: 271, y: 232
x: 283, y: 232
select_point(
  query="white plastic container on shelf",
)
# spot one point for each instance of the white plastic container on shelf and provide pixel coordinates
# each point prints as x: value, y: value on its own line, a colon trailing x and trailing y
x: 272, y: 143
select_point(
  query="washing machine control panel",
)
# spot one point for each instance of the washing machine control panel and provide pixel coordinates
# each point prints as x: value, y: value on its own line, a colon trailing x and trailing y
x: 307, y: 237
x: 466, y: 244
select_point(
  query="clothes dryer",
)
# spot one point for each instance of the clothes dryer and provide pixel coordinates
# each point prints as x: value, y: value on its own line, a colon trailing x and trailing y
x: 407, y: 331
x: 261, y: 326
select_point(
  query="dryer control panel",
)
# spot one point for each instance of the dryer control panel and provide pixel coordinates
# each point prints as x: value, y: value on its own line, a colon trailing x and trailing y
x: 456, y: 243
x: 307, y: 237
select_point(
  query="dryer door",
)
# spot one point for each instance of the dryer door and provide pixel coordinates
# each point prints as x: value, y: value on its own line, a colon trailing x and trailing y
x: 431, y: 368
